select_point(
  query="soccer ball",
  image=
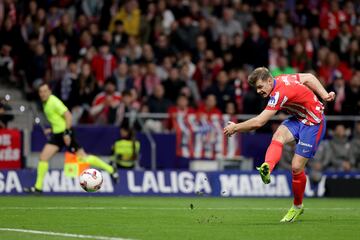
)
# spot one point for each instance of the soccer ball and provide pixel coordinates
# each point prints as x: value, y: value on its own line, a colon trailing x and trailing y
x: 91, y: 180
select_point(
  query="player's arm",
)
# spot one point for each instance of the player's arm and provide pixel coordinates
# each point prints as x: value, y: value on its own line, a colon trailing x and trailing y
x: 67, y: 133
x: 68, y: 119
x: 251, y: 124
x: 314, y: 84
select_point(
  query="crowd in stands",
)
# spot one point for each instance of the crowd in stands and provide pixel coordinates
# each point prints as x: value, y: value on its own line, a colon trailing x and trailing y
x: 104, y: 58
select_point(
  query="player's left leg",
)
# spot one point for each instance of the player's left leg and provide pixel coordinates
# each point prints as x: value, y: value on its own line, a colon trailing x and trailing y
x: 309, y: 140
x: 298, y: 188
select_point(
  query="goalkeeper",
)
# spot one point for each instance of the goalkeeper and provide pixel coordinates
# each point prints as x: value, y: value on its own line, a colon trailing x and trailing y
x: 60, y: 119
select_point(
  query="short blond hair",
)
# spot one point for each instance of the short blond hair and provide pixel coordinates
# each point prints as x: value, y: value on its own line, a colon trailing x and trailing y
x: 260, y: 73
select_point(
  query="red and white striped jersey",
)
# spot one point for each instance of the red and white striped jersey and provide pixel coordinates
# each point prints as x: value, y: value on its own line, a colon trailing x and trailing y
x: 295, y: 98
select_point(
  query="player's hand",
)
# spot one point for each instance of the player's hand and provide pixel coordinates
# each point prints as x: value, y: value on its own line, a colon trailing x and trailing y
x: 230, y: 129
x: 67, y: 139
x: 330, y: 97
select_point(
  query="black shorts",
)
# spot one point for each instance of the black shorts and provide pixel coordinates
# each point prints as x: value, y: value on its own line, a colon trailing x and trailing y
x: 58, y: 140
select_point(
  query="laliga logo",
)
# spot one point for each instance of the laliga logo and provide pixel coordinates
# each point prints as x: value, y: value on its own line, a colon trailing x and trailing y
x: 274, y: 99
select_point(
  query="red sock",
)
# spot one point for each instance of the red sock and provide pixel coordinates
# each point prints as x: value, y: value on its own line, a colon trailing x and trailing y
x: 298, y: 185
x: 273, y: 153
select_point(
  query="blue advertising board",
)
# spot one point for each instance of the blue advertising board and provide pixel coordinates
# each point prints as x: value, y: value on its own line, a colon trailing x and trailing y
x: 163, y: 183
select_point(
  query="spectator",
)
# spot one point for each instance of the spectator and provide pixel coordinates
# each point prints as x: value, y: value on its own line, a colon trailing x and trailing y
x: 353, y: 54
x: 299, y: 61
x: 335, y: 153
x: 338, y: 86
x: 190, y: 83
x: 209, y: 107
x: 59, y: 63
x: 283, y: 27
x: 37, y: 65
x: 227, y: 26
x: 150, y: 79
x: 185, y: 60
x: 68, y: 87
x: 173, y: 85
x: 331, y: 66
x: 256, y: 43
x: 87, y: 85
x: 92, y: 9
x: 266, y: 17
x: 6, y: 65
x: 222, y: 90
x: 119, y: 37
x: 53, y: 16
x: 162, y: 48
x: 5, y: 115
x: 351, y: 104
x: 207, y: 70
x: 87, y: 91
x: 103, y: 64
x: 282, y: 67
x: 157, y: 103
x: 355, y: 147
x: 164, y: 18
x: 163, y: 70
x: 340, y: 44
x: 181, y: 108
x: 125, y: 151
x: 230, y: 108
x: 205, y: 31
x: 243, y: 14
x: 201, y: 47
x: 137, y: 79
x: 147, y: 24
x: 185, y: 34
x: 105, y: 104
x: 222, y: 45
x: 130, y: 15
x: 128, y: 104
x: 147, y: 55
x: 65, y: 33
x: 122, y: 55
x: 122, y: 79
x: 134, y: 50
x: 238, y: 51
x: 330, y: 18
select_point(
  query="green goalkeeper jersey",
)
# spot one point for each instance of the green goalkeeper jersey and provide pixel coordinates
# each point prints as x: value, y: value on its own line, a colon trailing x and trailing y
x: 54, y: 110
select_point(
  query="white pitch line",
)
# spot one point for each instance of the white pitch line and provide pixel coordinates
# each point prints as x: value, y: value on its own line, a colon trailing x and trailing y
x: 70, y: 235
x: 166, y: 208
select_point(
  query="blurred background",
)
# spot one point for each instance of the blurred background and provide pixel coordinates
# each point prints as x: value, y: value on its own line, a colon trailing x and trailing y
x: 168, y: 75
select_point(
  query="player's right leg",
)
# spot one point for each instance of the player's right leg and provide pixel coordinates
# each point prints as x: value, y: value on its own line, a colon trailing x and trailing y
x: 273, y: 154
x: 46, y: 154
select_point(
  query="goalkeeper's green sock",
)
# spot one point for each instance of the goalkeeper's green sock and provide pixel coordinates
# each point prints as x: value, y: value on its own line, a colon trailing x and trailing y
x: 97, y: 162
x: 42, y: 169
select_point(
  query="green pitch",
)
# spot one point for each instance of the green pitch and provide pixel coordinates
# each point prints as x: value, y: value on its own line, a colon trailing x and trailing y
x: 175, y: 218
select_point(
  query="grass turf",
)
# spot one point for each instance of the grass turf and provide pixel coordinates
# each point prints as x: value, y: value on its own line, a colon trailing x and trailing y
x: 178, y: 218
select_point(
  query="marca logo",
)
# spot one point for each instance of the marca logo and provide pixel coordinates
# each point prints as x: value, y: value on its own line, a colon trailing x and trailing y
x: 251, y: 185
x: 173, y: 182
x: 56, y: 181
x: 274, y: 99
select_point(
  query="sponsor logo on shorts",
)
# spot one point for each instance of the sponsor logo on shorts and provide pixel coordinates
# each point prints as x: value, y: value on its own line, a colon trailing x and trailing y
x: 305, y: 144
